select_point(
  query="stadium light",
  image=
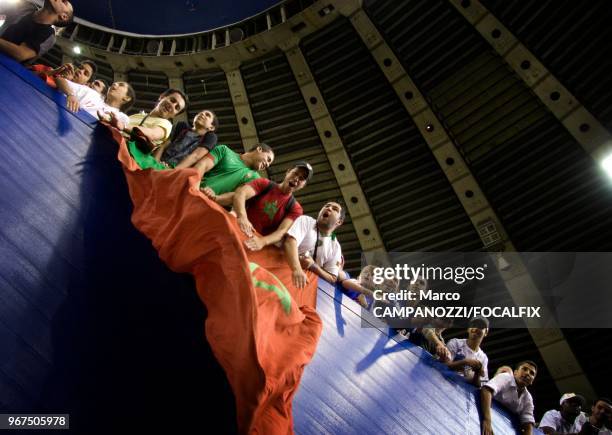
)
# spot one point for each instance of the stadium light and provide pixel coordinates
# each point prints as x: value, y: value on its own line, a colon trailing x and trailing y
x: 76, y: 49
x: 606, y: 164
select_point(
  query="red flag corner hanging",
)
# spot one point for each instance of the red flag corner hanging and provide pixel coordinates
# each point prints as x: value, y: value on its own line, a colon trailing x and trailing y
x: 262, y: 330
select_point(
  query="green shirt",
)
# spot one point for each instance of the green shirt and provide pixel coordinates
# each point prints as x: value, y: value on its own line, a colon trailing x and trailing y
x: 229, y: 171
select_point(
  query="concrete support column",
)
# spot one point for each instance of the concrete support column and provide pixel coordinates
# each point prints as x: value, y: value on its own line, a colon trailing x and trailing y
x: 246, y: 123
x: 354, y: 198
x: 579, y: 122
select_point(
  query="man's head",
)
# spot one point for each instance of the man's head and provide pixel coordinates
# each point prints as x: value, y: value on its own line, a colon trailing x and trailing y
x: 601, y: 412
x: 297, y: 177
x: 331, y: 216
x: 525, y: 373
x: 121, y: 93
x: 261, y: 156
x: 85, y: 72
x: 478, y: 328
x: 206, y: 120
x: 171, y: 102
x: 571, y: 405
x: 99, y: 86
x: 62, y: 8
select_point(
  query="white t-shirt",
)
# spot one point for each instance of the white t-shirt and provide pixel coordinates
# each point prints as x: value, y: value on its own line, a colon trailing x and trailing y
x: 92, y: 102
x: 460, y: 350
x: 505, y: 391
x: 89, y: 100
x: 329, y: 253
x: 105, y: 108
x: 553, y: 420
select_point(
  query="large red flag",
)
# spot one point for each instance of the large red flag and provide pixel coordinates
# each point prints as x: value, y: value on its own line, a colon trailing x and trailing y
x: 261, y: 334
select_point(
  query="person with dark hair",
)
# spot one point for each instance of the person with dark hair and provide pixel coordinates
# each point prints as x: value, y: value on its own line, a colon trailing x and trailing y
x: 569, y: 420
x: 119, y: 97
x: 85, y: 72
x: 269, y: 208
x: 431, y: 339
x: 600, y: 421
x: 511, y: 391
x: 28, y: 32
x: 151, y: 130
x: 466, y: 356
x: 99, y: 86
x: 312, y: 245
x: 223, y: 170
x: 190, y: 144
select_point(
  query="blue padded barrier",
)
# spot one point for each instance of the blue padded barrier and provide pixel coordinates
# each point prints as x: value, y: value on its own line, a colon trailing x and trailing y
x: 93, y: 324
x: 361, y: 380
x: 91, y: 321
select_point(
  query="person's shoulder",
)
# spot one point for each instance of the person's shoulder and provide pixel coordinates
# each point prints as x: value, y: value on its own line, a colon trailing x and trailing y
x: 501, y: 379
x: 297, y: 208
x: 550, y: 419
x: 458, y: 342
x: 552, y: 414
x: 336, y: 245
x: 259, y: 184
x: 305, y: 219
x: 137, y: 117
x: 223, y: 149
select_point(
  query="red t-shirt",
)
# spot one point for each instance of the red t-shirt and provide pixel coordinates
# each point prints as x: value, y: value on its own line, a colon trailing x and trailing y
x: 266, y: 211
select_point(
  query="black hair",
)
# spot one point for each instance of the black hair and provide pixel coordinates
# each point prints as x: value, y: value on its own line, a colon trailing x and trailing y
x: 103, y: 82
x: 531, y: 363
x: 602, y: 399
x: 342, y: 205
x: 264, y: 147
x: 132, y: 94
x: 58, y: 22
x: 66, y: 22
x: 215, y: 121
x: 176, y: 91
x: 94, y: 68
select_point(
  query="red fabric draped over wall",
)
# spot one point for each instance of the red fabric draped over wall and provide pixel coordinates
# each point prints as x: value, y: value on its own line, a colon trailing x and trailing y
x: 262, y: 330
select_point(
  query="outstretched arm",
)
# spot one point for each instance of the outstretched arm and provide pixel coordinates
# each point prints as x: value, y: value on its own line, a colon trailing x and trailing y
x: 256, y: 243
x: 310, y: 264
x: 20, y: 52
x: 72, y: 101
x: 298, y: 276
x: 353, y: 284
x: 242, y: 194
x: 195, y: 156
x: 204, y: 165
x: 485, y: 405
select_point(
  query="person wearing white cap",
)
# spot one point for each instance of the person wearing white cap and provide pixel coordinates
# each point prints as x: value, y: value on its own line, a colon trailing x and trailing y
x: 569, y: 420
